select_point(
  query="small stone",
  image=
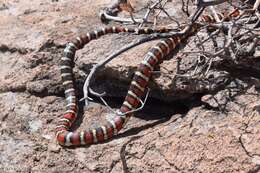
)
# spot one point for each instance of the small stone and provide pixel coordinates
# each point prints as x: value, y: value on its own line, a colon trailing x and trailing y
x: 47, y: 136
x: 3, y: 7
x: 35, y: 125
x: 51, y: 164
x: 256, y: 160
x: 36, y: 159
x: 50, y: 99
x: 210, y: 100
x: 35, y: 87
x: 29, y: 11
x: 257, y: 53
x: 255, y: 106
x: 66, y: 19
x: 55, y: 148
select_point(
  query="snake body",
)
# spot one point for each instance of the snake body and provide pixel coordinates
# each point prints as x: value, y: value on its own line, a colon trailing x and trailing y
x: 134, y: 95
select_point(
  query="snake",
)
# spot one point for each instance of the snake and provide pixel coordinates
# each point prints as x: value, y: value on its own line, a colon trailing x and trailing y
x: 135, y: 93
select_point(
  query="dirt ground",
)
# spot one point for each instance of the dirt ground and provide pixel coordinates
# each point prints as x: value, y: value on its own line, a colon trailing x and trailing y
x: 174, y: 133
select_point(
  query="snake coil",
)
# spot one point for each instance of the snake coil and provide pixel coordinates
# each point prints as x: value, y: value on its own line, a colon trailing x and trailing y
x: 136, y: 90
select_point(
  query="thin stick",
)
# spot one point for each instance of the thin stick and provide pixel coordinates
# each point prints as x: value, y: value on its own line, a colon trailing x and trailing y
x: 131, y: 20
x: 145, y: 18
x: 206, y: 3
x: 132, y: 111
x: 108, y: 59
x: 215, y: 13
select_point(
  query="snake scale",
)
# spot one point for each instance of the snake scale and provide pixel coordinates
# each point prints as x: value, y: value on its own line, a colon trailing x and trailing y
x: 136, y: 90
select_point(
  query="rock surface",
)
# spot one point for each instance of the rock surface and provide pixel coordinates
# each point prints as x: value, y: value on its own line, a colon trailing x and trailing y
x: 177, y: 131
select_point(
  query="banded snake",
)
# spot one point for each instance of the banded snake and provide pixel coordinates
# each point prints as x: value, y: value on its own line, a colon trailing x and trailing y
x: 136, y: 90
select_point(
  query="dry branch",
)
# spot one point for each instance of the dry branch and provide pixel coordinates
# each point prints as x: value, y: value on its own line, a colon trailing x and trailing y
x: 231, y: 33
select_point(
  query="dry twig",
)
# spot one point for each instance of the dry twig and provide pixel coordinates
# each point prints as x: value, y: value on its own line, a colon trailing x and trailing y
x: 230, y: 49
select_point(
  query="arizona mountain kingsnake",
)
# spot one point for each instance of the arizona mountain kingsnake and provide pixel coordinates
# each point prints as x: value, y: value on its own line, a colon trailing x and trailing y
x: 135, y: 93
